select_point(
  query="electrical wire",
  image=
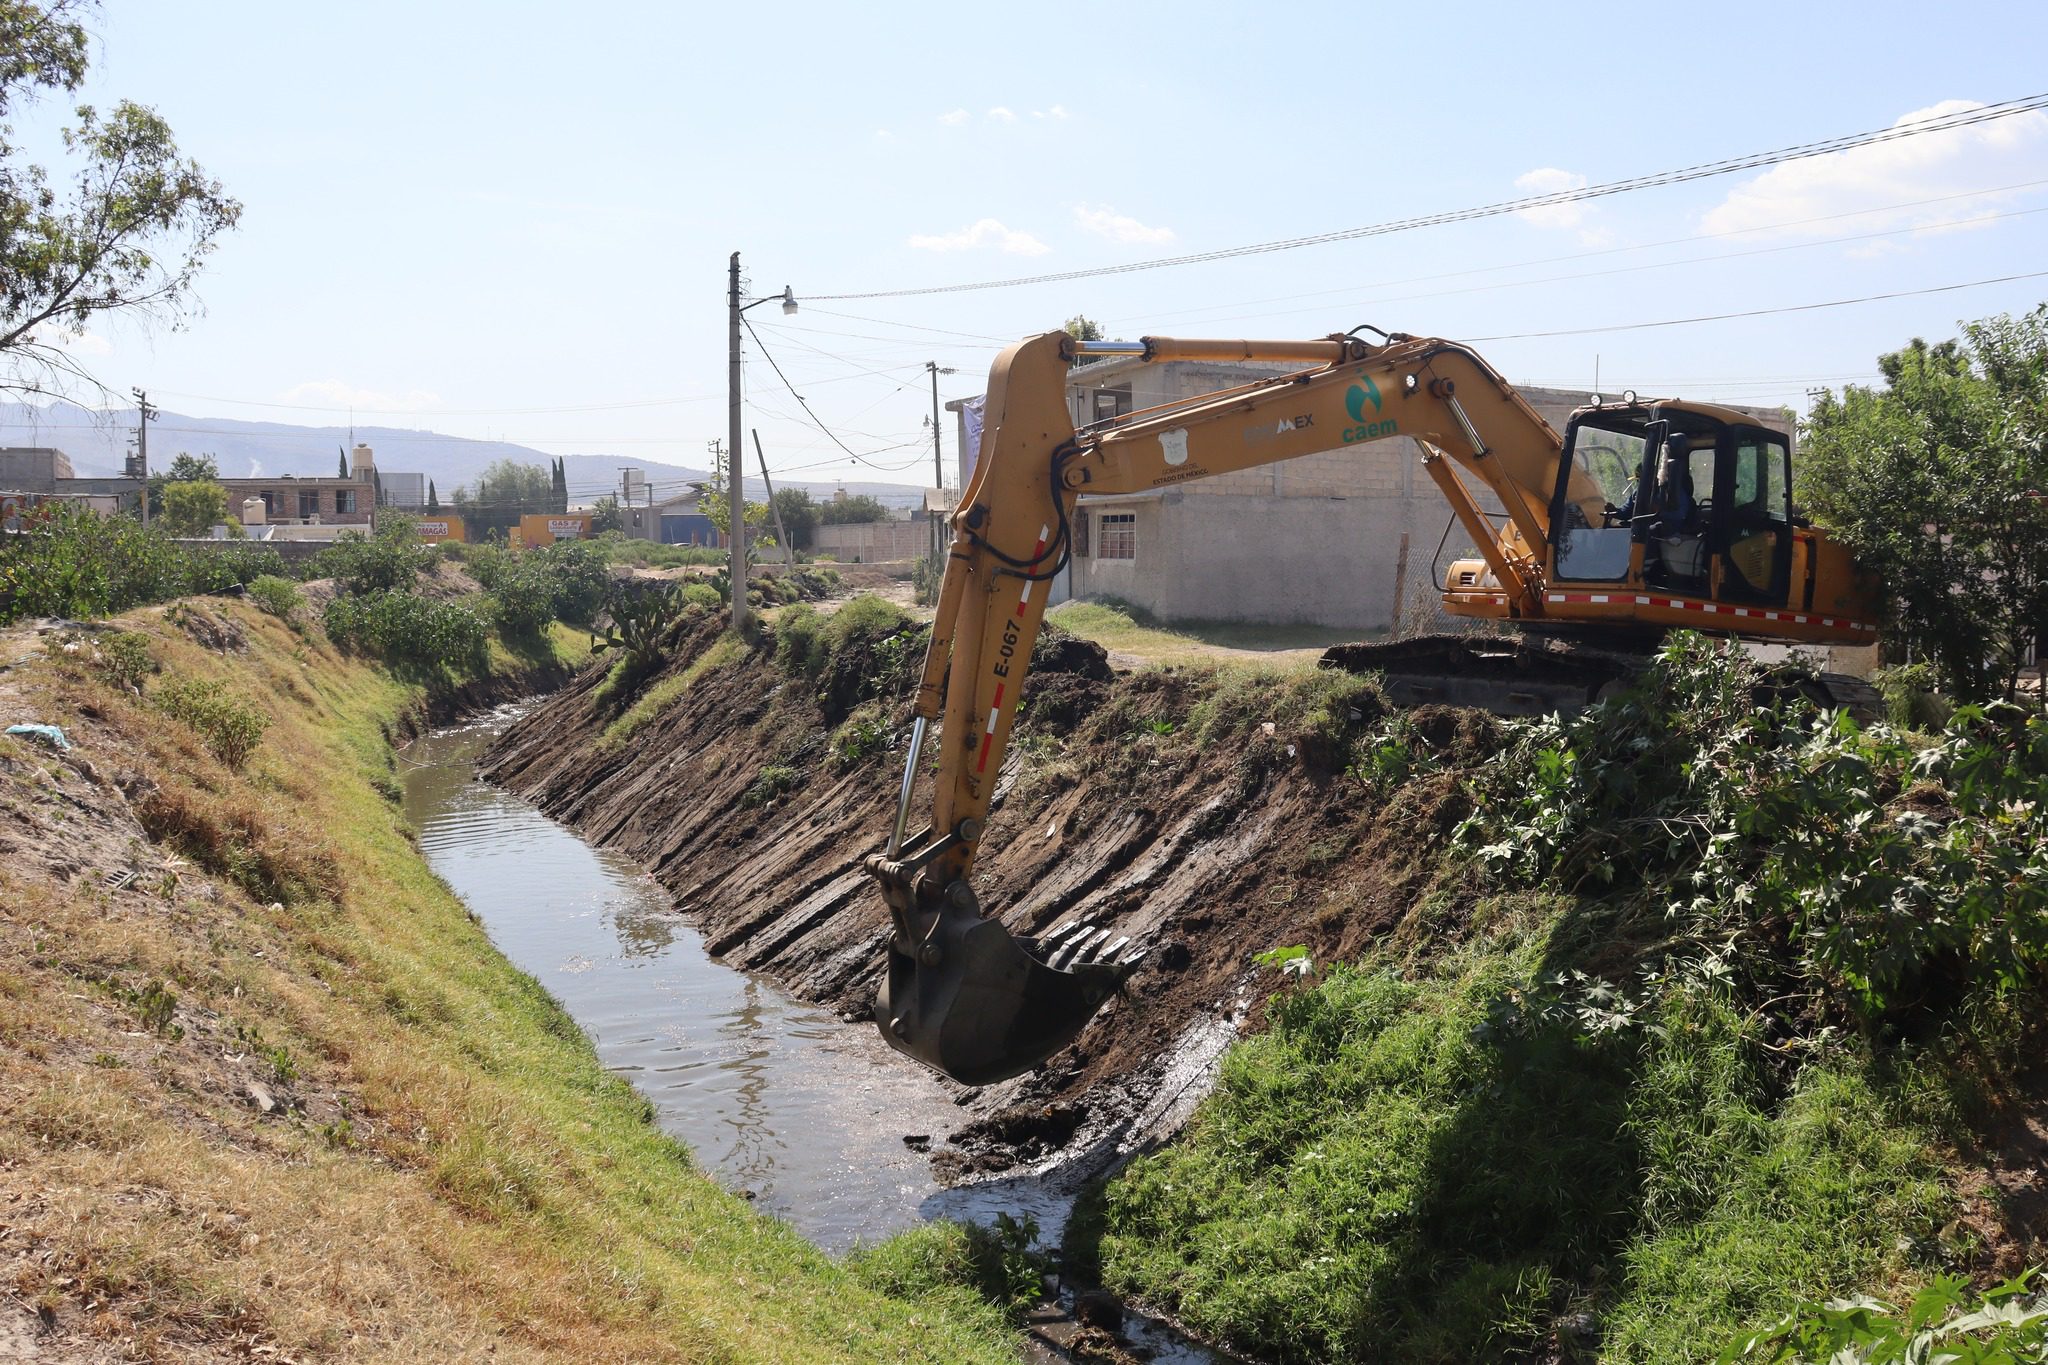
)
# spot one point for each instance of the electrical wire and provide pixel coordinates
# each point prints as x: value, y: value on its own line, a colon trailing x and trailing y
x: 1702, y: 171
x: 768, y: 356
x: 1781, y: 226
x: 1759, y: 312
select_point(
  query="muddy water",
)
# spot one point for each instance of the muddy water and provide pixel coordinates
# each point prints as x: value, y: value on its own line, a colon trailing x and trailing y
x: 781, y: 1100
x: 776, y: 1098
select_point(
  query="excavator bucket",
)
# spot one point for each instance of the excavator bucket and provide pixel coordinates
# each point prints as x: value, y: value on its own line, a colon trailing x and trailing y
x: 974, y: 1003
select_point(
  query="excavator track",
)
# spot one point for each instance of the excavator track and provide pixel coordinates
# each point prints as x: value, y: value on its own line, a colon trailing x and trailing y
x: 1534, y: 675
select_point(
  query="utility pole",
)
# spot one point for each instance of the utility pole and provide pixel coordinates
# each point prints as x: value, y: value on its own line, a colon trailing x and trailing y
x: 780, y: 530
x: 938, y: 460
x: 738, y: 494
x: 144, y: 415
x: 737, y: 491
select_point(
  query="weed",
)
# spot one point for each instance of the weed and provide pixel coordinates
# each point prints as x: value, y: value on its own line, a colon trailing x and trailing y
x: 231, y: 727
x: 278, y: 596
x: 768, y: 785
x: 864, y: 734
x: 155, y: 1005
x: 2007, y: 1325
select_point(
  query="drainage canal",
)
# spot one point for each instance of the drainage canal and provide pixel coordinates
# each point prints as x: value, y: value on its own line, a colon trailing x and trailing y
x: 803, y: 1112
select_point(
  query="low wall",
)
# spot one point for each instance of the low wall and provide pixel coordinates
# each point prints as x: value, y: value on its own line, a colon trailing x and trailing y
x: 868, y: 542
x: 292, y: 551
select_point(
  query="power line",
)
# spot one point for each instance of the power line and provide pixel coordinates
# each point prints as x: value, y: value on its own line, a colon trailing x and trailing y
x: 1705, y: 170
x: 1626, y: 269
x: 1598, y: 252
x: 768, y: 356
x: 1760, y: 312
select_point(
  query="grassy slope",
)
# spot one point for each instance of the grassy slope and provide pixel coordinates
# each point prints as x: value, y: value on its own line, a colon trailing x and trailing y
x: 459, y: 1174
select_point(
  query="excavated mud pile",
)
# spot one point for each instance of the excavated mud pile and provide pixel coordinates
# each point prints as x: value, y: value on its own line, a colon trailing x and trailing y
x: 1206, y: 844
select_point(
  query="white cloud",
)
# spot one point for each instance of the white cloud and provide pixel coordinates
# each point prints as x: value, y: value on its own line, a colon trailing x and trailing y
x: 884, y: 135
x: 986, y: 232
x: 1574, y: 216
x: 1002, y: 115
x: 1952, y: 162
x: 1107, y: 222
x: 955, y: 118
x: 1056, y: 112
x: 76, y: 343
x: 333, y: 393
x: 255, y: 469
x: 1551, y: 180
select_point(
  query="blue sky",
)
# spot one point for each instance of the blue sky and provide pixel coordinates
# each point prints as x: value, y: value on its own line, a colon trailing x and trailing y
x: 513, y: 220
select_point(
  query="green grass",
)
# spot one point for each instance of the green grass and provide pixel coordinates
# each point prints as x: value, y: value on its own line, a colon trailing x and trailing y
x: 1420, y: 1167
x: 664, y: 694
x: 1132, y: 630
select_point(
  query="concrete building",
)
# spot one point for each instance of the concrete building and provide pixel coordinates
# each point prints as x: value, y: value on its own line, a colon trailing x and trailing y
x: 288, y: 499
x: 404, y: 490
x: 1351, y: 539
x: 33, y: 469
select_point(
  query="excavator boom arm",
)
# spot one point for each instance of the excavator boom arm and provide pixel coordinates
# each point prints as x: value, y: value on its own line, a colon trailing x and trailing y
x: 963, y: 995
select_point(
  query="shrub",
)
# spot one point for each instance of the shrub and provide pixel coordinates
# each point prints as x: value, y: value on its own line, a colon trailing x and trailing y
x: 230, y: 726
x: 1757, y: 822
x: 232, y: 566
x: 72, y: 562
x: 579, y: 577
x: 385, y: 562
x: 278, y: 596
x: 403, y: 628
x: 702, y: 596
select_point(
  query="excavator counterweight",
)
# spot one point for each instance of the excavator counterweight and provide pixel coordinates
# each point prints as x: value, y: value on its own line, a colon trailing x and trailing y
x: 1643, y: 516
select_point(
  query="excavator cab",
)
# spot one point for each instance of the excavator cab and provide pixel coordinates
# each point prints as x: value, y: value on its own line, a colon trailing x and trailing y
x: 1683, y: 498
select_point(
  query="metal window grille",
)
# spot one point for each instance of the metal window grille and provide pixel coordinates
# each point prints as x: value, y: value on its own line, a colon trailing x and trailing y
x: 1117, y: 536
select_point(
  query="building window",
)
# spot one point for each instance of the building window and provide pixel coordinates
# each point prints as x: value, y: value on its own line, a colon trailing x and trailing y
x: 344, y: 500
x: 1117, y: 536
x: 309, y: 504
x: 1111, y: 404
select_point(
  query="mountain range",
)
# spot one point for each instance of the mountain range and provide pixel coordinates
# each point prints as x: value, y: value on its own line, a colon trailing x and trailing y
x: 97, y: 443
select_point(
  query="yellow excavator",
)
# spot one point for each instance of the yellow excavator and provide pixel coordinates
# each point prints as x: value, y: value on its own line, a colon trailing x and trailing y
x: 1645, y: 515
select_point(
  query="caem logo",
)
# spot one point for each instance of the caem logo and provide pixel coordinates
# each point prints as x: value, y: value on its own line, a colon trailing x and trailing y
x: 1356, y: 397
x: 1363, y: 427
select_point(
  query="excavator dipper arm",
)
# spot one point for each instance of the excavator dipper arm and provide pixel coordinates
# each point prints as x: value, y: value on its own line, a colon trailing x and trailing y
x: 962, y: 994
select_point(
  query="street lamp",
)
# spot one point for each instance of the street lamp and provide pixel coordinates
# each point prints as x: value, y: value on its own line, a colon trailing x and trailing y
x: 736, y: 471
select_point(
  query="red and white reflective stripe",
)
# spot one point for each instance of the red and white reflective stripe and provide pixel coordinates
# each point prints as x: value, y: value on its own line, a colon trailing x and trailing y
x: 1712, y: 609
x: 1037, y: 553
x: 988, y: 735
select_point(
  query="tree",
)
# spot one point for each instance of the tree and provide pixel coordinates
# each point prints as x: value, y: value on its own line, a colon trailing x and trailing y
x: 194, y: 508
x: 192, y: 469
x: 799, y: 515
x: 505, y: 491
x: 1083, y: 328
x: 128, y: 235
x: 433, y: 498
x: 1936, y: 482
x: 560, y: 486
x: 860, y: 507
x: 717, y: 509
x: 342, y: 455
x: 604, y: 516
